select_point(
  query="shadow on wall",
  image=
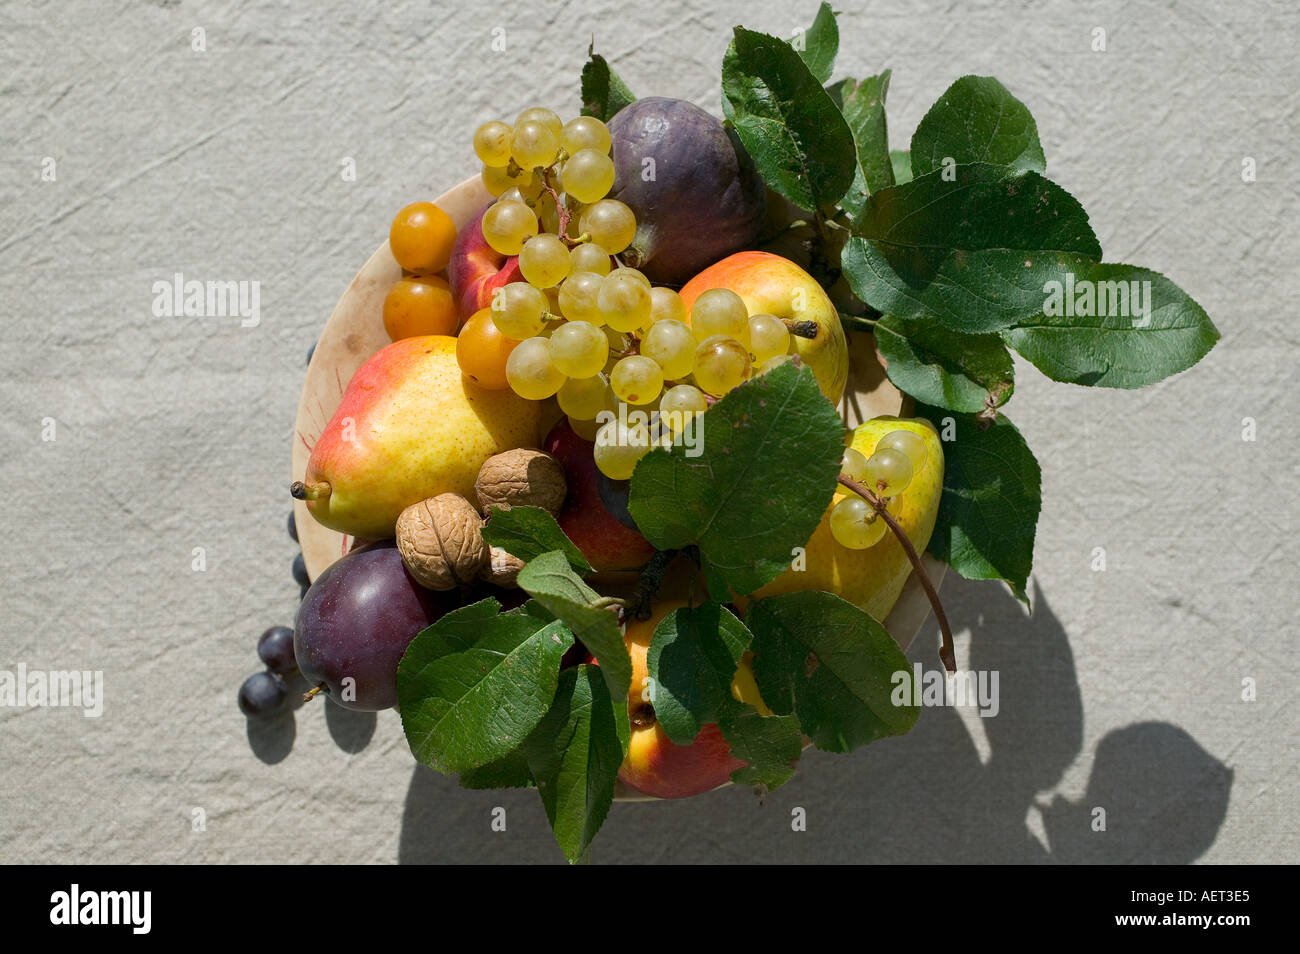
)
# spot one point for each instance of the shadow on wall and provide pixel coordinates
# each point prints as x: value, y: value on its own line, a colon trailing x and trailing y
x: 924, y: 797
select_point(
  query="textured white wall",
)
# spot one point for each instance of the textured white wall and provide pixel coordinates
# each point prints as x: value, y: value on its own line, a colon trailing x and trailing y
x: 1122, y: 691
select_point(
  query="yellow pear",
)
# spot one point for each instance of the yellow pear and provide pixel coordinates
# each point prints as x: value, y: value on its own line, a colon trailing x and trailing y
x: 872, y: 578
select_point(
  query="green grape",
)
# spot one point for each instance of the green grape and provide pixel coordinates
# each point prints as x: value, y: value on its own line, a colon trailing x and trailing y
x: 720, y: 311
x: 492, y: 144
x: 771, y: 363
x: 507, y: 225
x: 721, y: 363
x: 619, y: 344
x: 579, y: 349
x: 548, y: 215
x: 499, y: 180
x: 534, y: 145
x: 583, y: 398
x: 680, y: 404
x: 519, y: 310
x: 632, y: 273
x: 667, y: 305
x: 530, y: 371
x: 854, y: 464
x: 670, y: 344
x: 585, y: 132
x: 909, y: 443
x: 610, y: 224
x: 854, y: 524
x: 636, y: 380
x: 540, y: 114
x: 768, y: 337
x: 618, y: 448
x: 589, y: 257
x: 579, y: 298
x: 888, y: 472
x: 624, y: 302
x: 513, y: 195
x: 588, y: 175
x: 544, y: 261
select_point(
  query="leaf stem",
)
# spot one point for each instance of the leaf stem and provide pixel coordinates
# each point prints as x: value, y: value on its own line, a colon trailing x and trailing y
x: 946, y: 653
x: 647, y: 585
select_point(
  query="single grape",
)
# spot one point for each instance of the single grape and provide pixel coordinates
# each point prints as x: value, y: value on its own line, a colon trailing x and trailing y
x: 721, y: 363
x: 618, y: 448
x: 583, y: 398
x: 636, y: 379
x: 667, y: 305
x: 588, y: 175
x: 610, y: 224
x: 854, y: 524
x: 888, y: 472
x: 771, y: 363
x: 579, y: 298
x: 492, y: 143
x: 292, y: 526
x: 579, y: 349
x: 275, y: 648
x: 768, y: 337
x: 585, y: 132
x: 540, y: 114
x: 679, y: 405
x: 909, y: 443
x: 482, y: 351
x: 534, y: 145
x: 299, y: 571
x: 720, y: 311
x: 544, y: 261
x: 589, y: 257
x: 519, y: 310
x: 548, y: 214
x: 632, y: 273
x: 531, y: 372
x: 507, y: 225
x: 262, y: 695
x: 854, y: 464
x: 672, y: 346
x: 498, y: 181
x: 624, y: 302
x: 513, y: 195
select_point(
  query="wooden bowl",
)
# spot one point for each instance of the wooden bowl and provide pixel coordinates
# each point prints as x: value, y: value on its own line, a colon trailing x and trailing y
x: 355, y: 331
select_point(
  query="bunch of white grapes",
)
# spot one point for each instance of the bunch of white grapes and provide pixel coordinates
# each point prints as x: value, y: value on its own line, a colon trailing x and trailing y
x: 887, y: 473
x: 592, y: 332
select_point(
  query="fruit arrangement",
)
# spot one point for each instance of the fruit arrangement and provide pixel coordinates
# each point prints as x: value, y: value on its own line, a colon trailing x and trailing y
x: 601, y: 525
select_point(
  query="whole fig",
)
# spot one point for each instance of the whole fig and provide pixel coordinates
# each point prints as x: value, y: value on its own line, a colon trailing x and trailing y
x: 693, y: 187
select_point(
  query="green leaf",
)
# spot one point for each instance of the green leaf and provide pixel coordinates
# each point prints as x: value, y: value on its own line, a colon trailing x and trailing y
x: 818, y: 45
x: 603, y: 93
x: 692, y: 660
x: 1114, y: 326
x: 551, y: 581
x: 528, y: 532
x: 977, y: 120
x: 787, y: 121
x: 574, y: 755
x: 902, y: 163
x: 467, y: 704
x: 829, y: 663
x: 972, y: 252
x: 864, y: 110
x: 992, y: 494
x: 942, y: 367
x: 771, y: 447
x: 770, y: 744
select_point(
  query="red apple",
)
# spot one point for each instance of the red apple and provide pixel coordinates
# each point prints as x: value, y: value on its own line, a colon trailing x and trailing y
x: 609, y: 546
x: 476, y: 269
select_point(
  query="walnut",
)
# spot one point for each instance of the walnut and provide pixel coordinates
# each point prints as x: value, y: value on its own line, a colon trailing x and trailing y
x: 520, y: 478
x: 441, y: 541
x: 502, y: 568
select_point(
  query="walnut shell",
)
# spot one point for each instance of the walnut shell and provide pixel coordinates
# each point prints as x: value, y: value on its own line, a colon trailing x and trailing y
x: 502, y: 568
x: 520, y: 478
x: 441, y: 541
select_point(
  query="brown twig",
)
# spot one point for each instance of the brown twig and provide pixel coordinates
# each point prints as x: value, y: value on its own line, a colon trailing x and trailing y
x: 946, y: 652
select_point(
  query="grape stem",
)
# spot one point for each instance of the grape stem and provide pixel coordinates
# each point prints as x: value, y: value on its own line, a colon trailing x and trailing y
x: 561, y: 209
x: 946, y: 653
x: 310, y: 694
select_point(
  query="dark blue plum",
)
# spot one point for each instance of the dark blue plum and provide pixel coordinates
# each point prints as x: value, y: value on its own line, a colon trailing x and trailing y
x: 275, y: 648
